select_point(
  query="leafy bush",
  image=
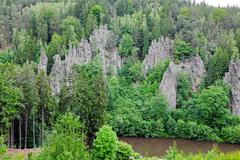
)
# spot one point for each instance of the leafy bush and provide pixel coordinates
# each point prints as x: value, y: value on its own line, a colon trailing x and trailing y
x: 155, y: 74
x: 105, y: 144
x: 6, y: 56
x: 66, y: 141
x: 182, y: 50
x: 126, y: 46
x: 217, y: 67
x: 209, y: 107
x: 125, y: 151
x: 231, y: 134
x: 184, y: 89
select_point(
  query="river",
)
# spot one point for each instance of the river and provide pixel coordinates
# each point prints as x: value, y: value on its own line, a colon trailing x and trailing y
x: 159, y: 146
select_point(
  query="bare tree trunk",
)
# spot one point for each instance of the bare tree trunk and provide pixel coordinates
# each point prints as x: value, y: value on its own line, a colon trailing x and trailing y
x: 34, y: 136
x: 9, y: 137
x: 20, y: 133
x: 12, y: 134
x: 26, y: 130
x: 42, y: 134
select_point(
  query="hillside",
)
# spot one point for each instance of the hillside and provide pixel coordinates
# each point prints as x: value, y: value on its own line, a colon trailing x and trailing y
x: 146, y: 68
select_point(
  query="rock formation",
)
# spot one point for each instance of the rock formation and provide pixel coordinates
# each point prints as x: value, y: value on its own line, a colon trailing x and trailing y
x: 43, y: 62
x: 102, y: 43
x: 168, y: 86
x: 158, y: 51
x: 233, y: 79
x: 56, y: 75
x: 81, y: 54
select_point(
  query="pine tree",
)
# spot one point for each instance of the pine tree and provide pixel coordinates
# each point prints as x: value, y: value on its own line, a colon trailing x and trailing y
x: 45, y: 99
x: 26, y: 80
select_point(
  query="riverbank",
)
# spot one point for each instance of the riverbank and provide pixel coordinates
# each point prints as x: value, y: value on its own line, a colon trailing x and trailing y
x: 159, y: 146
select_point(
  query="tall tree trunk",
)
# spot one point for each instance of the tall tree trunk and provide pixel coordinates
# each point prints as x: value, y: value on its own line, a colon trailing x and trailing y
x: 26, y: 130
x: 34, y: 136
x: 20, y: 133
x: 12, y: 134
x: 42, y: 134
x: 9, y: 137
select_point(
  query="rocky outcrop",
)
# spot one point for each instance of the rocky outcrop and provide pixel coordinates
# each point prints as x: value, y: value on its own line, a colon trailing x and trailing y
x: 158, y: 51
x: 168, y: 86
x: 102, y: 43
x: 43, y: 62
x: 196, y: 70
x: 233, y: 79
x: 56, y: 75
x: 81, y: 54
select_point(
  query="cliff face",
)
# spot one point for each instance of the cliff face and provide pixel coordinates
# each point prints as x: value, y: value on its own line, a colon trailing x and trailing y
x: 233, y: 79
x: 100, y: 43
x: 158, y: 51
x: 168, y: 86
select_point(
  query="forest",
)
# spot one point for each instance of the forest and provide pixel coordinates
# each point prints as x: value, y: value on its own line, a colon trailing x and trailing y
x: 77, y: 74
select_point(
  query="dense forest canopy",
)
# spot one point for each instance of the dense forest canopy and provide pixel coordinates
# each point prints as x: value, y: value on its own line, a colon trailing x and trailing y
x: 149, y: 68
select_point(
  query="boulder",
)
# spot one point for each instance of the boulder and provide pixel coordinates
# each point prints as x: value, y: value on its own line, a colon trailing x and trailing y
x: 233, y: 79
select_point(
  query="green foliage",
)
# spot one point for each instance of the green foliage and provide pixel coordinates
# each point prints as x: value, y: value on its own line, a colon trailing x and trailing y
x: 27, y: 50
x: 7, y: 56
x: 156, y: 107
x: 172, y: 153
x: 217, y: 67
x: 136, y: 26
x: 219, y: 14
x: 237, y: 38
x: 3, y: 149
x: 10, y: 101
x: 184, y: 11
x: 124, y: 7
x: 98, y: 12
x: 71, y: 21
x: 182, y: 50
x: 126, y: 46
x: 184, y: 90
x: 155, y: 75
x: 54, y: 47
x: 87, y: 97
x: 71, y: 31
x: 132, y: 71
x: 66, y: 141
x: 231, y: 134
x: 209, y: 107
x: 214, y: 154
x: 125, y: 151
x: 105, y: 144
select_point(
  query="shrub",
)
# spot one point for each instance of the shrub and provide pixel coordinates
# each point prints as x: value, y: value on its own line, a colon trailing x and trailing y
x: 66, y: 141
x: 105, y: 144
x: 125, y: 151
x: 231, y: 134
x: 182, y: 50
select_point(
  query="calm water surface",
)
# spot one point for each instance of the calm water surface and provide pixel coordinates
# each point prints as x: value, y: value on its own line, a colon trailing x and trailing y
x: 158, y: 146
